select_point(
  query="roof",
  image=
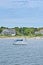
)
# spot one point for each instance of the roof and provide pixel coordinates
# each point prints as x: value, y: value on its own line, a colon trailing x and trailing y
x: 9, y: 31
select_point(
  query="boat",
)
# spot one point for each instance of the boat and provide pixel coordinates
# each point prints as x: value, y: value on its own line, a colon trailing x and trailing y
x: 19, y: 42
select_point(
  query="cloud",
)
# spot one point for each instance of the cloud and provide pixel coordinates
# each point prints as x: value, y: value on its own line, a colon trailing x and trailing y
x: 21, y: 3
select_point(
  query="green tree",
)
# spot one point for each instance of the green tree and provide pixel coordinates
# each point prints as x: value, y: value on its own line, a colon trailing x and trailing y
x: 0, y: 30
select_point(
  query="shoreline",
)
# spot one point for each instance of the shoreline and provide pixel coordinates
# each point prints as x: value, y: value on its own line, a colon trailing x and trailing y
x: 24, y: 37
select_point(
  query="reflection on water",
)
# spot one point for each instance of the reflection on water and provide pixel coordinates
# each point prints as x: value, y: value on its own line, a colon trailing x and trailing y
x: 29, y: 54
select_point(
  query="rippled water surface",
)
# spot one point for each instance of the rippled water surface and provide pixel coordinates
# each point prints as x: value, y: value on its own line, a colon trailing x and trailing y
x: 28, y: 54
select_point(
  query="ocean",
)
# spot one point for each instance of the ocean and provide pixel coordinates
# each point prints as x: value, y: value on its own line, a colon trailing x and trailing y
x: 27, y: 54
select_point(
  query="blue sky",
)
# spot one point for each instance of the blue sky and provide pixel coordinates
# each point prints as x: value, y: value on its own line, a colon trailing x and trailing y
x: 20, y: 13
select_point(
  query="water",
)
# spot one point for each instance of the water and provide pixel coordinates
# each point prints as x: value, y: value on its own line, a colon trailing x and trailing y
x: 29, y: 54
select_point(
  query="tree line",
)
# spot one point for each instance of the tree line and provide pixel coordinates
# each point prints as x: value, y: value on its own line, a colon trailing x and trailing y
x: 28, y: 31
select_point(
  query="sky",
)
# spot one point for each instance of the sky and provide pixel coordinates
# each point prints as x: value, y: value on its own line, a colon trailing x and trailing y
x: 21, y: 13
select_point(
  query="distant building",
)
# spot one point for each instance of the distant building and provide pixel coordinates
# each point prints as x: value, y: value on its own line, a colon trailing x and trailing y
x: 39, y: 32
x: 9, y: 32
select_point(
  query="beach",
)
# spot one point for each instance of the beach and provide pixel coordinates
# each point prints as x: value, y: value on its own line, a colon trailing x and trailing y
x: 19, y: 37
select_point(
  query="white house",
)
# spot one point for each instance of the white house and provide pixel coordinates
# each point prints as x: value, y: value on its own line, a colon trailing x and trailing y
x: 39, y: 32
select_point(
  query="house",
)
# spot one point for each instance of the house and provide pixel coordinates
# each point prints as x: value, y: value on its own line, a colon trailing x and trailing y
x: 39, y: 32
x: 9, y: 32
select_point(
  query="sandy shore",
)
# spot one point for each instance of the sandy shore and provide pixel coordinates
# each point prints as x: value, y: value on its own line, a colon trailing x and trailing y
x: 17, y: 37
